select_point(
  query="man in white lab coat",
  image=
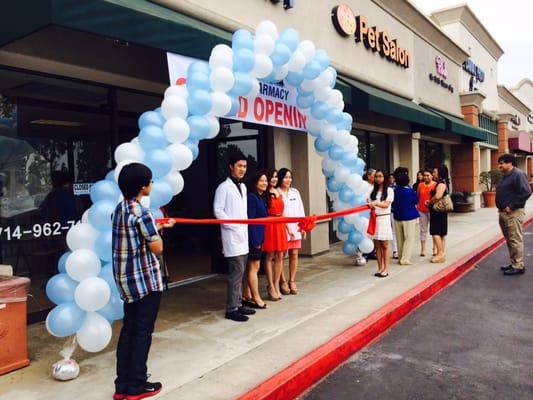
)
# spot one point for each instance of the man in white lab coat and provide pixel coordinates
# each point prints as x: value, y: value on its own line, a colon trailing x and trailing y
x: 231, y: 203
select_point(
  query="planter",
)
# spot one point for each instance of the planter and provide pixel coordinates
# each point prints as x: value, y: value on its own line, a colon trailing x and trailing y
x: 463, y: 207
x: 489, y: 198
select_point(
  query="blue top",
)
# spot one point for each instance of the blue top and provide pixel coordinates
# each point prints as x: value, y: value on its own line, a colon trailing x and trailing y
x: 404, y: 205
x: 256, y: 209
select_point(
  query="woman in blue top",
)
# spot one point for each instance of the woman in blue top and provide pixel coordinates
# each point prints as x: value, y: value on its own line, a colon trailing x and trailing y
x: 405, y: 215
x: 257, y: 208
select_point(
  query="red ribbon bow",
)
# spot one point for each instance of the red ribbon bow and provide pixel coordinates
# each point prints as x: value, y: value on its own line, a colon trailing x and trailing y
x: 308, y: 223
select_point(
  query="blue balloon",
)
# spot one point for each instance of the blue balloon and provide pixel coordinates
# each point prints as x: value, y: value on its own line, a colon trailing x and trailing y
x: 192, y: 146
x: 61, y: 264
x: 311, y: 70
x: 199, y: 102
x: 322, y: 57
x: 110, y: 176
x: 242, y: 39
x: 347, y: 195
x: 305, y: 101
x: 243, y: 60
x: 321, y: 144
x: 161, y: 194
x: 152, y: 137
x: 243, y: 84
x: 198, y: 81
x: 336, y: 152
x: 360, y: 167
x: 271, y: 78
x: 103, y: 246
x: 327, y: 173
x: 349, y: 248
x: 148, y: 118
x: 198, y: 66
x: 290, y: 38
x: 199, y: 127
x: 60, y: 288
x: 114, y: 309
x: 65, y: 319
x: 319, y: 110
x: 159, y: 162
x: 303, y: 92
x: 355, y: 237
x: 334, y: 72
x: 281, y: 54
x: 105, y: 189
x: 333, y: 185
x: 346, y: 122
x: 344, y: 227
x: 349, y: 159
x: 334, y: 116
x: 100, y: 214
x: 360, y: 200
x: 235, y: 106
x: 294, y: 78
x: 107, y: 274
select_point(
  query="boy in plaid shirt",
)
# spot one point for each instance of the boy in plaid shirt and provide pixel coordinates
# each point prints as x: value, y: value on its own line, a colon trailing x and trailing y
x: 136, y: 245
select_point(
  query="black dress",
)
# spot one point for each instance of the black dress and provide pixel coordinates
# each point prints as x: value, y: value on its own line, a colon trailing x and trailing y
x: 438, y: 221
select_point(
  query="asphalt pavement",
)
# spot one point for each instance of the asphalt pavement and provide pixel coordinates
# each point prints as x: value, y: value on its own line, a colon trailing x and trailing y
x: 472, y: 341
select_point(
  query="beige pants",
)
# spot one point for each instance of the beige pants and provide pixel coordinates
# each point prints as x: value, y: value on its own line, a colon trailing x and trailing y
x: 405, y: 235
x: 511, y: 225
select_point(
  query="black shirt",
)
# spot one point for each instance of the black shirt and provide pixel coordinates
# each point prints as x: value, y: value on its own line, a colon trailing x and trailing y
x: 513, y: 190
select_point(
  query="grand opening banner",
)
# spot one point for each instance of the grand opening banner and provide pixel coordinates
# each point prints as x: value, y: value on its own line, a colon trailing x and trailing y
x: 274, y: 105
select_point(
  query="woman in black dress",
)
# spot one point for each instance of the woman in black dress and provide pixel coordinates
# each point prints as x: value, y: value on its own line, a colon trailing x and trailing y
x: 438, y: 221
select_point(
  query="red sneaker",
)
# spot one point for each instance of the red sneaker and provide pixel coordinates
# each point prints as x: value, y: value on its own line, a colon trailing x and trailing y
x: 150, y: 389
x: 119, y: 396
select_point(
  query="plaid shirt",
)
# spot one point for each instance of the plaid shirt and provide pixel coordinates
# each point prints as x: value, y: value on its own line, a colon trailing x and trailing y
x: 137, y: 270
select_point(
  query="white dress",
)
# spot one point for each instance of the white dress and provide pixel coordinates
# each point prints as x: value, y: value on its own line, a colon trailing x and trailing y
x: 383, y: 218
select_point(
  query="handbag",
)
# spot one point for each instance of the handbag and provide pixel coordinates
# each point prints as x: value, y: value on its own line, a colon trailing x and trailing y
x: 444, y: 204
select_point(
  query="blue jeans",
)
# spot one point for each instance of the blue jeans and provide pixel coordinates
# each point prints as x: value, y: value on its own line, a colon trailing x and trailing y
x: 134, y: 343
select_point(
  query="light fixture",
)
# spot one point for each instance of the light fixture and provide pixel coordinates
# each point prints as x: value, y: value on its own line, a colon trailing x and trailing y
x: 56, y: 122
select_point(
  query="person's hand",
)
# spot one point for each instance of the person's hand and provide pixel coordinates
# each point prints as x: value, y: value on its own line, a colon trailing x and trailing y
x: 371, y: 204
x: 507, y: 210
x: 170, y: 223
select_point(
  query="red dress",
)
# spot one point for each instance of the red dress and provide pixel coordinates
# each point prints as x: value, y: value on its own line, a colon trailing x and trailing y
x: 275, y: 234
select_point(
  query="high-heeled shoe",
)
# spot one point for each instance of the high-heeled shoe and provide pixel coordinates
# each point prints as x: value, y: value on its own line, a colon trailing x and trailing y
x: 271, y: 296
x: 292, y: 287
x: 284, y: 288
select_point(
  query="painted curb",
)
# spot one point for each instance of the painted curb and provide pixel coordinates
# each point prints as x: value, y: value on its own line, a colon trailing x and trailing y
x: 302, y: 374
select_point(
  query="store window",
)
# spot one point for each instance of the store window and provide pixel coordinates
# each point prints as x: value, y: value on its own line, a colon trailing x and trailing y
x: 431, y: 154
x: 373, y: 149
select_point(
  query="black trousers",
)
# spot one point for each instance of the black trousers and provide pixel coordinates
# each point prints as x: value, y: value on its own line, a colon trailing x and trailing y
x: 134, y: 343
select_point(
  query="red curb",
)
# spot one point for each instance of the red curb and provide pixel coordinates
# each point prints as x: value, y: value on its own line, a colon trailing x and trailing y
x: 302, y: 374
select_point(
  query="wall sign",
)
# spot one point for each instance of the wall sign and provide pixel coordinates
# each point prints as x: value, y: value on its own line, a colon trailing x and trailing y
x: 474, y: 70
x: 441, y: 74
x: 347, y: 24
x: 81, y: 188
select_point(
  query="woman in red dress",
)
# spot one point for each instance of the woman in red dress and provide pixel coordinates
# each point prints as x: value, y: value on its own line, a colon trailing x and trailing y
x: 275, y: 243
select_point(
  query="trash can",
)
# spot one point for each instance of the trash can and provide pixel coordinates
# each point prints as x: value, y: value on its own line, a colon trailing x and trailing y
x: 13, y: 333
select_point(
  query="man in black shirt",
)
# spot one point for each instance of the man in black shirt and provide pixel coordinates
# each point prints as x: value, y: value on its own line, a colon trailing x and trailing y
x: 511, y: 196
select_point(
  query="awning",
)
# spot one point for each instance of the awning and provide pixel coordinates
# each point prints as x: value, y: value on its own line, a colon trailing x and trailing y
x: 135, y: 21
x: 457, y: 125
x: 520, y: 141
x: 368, y: 98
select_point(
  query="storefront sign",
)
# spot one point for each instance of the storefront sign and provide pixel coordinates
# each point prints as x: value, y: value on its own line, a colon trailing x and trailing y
x: 441, y: 74
x: 81, y: 188
x: 274, y: 105
x: 474, y: 70
x: 347, y: 24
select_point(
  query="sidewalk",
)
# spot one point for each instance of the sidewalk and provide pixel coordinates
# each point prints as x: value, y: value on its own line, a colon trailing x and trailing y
x: 197, y: 354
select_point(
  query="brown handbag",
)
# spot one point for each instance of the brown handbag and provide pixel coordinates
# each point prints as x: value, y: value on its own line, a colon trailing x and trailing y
x: 444, y: 204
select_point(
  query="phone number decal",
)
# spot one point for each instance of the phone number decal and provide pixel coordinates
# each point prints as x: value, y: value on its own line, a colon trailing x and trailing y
x: 37, y: 230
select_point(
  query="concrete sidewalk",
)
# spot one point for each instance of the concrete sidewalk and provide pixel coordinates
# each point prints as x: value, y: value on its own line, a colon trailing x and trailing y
x: 197, y: 354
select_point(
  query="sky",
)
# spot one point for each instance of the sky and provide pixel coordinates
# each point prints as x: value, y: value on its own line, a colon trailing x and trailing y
x: 510, y: 24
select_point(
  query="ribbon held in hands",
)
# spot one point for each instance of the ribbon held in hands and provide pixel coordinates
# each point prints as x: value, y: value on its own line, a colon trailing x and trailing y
x: 305, y: 224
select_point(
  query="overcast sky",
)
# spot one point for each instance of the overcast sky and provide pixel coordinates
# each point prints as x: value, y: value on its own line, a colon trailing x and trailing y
x: 510, y: 23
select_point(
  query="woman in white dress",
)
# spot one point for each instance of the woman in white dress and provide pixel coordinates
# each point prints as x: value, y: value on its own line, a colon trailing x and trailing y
x: 381, y: 199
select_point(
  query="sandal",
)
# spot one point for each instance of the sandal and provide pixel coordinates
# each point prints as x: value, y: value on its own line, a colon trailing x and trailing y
x: 253, y: 304
x: 284, y: 288
x: 292, y: 287
x: 272, y: 297
x: 382, y: 275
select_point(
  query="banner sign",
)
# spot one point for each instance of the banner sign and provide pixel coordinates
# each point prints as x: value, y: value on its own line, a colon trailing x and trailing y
x: 274, y: 105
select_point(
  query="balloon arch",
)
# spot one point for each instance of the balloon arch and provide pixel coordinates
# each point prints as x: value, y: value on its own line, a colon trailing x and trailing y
x: 84, y: 291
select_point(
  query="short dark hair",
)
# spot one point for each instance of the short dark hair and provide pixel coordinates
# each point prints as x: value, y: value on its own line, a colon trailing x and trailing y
x: 402, y: 179
x: 132, y: 178
x: 507, y: 158
x: 252, y: 183
x: 281, y: 175
x: 236, y: 156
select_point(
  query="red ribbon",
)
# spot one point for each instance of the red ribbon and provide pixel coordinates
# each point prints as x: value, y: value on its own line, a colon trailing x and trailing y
x: 371, y: 231
x: 305, y: 224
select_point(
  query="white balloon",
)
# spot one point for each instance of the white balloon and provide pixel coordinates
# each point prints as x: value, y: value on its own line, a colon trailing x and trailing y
x: 128, y: 151
x: 308, y: 85
x: 176, y: 182
x: 328, y: 132
x: 82, y: 264
x: 340, y: 205
x: 267, y: 28
x: 85, y: 216
x: 322, y: 93
x: 351, y: 218
x: 362, y: 188
x: 264, y: 44
x: 335, y: 96
x: 325, y: 78
x: 181, y: 156
x: 177, y: 90
x: 341, y: 174
x: 81, y: 236
x: 361, y: 224
x: 145, y: 201
x: 135, y: 140
x: 174, y: 106
x: 95, y: 333
x: 341, y: 236
x: 353, y: 182
x: 308, y: 49
x: 315, y: 124
x: 92, y: 294
x: 222, y: 79
x: 221, y: 56
x: 255, y: 88
x: 281, y: 72
x: 353, y: 145
x: 214, y: 127
x: 263, y: 66
x: 221, y: 104
x: 296, y: 62
x: 366, y: 246
x: 176, y: 130
x: 342, y: 138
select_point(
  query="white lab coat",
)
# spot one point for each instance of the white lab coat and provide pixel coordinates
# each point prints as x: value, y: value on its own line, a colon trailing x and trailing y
x: 293, y: 207
x: 230, y: 204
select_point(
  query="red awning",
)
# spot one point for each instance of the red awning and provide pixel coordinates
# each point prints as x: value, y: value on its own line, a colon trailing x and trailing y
x: 520, y: 141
